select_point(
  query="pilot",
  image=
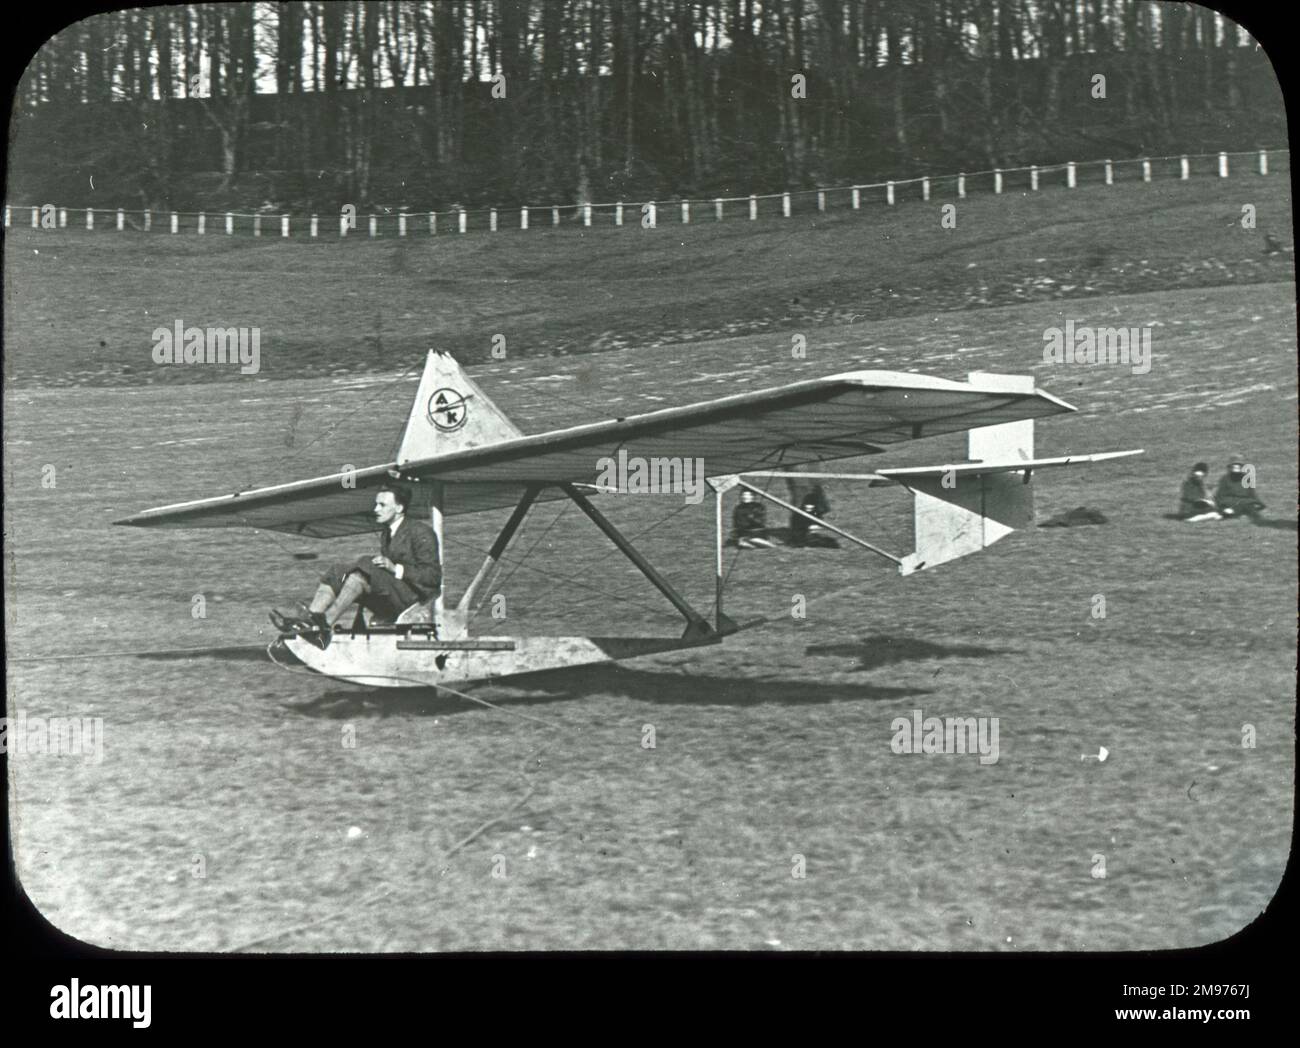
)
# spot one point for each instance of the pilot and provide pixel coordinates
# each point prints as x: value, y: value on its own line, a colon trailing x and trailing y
x: 749, y: 522
x: 1194, y: 502
x: 1235, y: 493
x: 406, y: 571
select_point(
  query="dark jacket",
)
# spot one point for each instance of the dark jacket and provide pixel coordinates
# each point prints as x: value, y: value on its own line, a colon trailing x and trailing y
x: 415, y: 548
x: 816, y: 502
x: 1232, y: 494
x: 1194, y: 497
x: 750, y: 518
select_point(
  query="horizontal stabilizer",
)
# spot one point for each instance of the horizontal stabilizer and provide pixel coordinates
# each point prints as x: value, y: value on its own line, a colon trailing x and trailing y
x: 960, y: 469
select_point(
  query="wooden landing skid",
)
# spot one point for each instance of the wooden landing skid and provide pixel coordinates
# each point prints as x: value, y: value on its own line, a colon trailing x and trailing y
x: 434, y: 647
x: 389, y: 660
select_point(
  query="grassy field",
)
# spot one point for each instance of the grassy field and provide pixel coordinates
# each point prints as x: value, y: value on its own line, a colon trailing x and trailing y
x: 773, y: 746
x: 82, y: 307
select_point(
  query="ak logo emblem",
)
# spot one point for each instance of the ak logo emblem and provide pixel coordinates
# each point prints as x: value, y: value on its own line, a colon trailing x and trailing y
x: 447, y: 409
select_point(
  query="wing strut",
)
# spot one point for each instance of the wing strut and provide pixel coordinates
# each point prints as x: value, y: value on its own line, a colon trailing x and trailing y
x: 499, y: 546
x: 697, y: 626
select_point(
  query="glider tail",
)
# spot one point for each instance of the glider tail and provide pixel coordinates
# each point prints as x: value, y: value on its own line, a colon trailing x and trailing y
x: 966, y: 507
x: 956, y: 513
x: 450, y: 413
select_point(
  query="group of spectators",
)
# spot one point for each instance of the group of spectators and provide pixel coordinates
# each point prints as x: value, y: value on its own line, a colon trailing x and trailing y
x: 1233, y: 497
x: 750, y: 530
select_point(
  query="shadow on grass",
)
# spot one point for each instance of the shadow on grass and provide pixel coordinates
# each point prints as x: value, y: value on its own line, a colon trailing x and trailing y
x: 874, y: 652
x: 582, y: 682
x: 1262, y: 522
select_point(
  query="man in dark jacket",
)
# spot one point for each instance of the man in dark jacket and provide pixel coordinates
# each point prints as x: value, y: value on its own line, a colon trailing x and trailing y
x: 749, y: 522
x: 406, y: 571
x: 803, y: 532
x: 1194, y: 502
x: 1235, y: 493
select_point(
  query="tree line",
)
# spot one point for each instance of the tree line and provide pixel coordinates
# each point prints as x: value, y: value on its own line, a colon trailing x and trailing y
x: 425, y: 104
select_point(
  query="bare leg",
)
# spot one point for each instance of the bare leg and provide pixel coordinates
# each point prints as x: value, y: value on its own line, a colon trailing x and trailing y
x: 354, y: 588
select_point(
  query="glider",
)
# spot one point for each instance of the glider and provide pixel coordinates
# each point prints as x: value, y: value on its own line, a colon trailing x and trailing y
x: 460, y: 454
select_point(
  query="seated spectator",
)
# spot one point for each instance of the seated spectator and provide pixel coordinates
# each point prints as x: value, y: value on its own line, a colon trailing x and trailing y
x: 806, y: 533
x: 1235, y: 494
x: 1194, y: 502
x: 749, y: 523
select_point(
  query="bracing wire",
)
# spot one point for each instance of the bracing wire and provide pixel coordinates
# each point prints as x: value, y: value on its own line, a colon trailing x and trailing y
x: 333, y: 427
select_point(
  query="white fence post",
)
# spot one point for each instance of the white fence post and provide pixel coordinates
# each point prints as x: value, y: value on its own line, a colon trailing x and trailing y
x: 652, y: 214
x: 148, y: 221
x: 8, y: 219
x: 90, y: 218
x: 36, y: 218
x: 492, y: 220
x: 121, y: 218
x: 1071, y: 169
x: 176, y: 222
x: 63, y: 218
x: 203, y: 223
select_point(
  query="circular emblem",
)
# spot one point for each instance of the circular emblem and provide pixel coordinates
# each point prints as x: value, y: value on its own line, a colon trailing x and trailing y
x: 447, y: 409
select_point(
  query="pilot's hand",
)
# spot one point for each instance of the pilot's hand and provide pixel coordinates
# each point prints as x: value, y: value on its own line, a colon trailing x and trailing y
x: 383, y: 562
